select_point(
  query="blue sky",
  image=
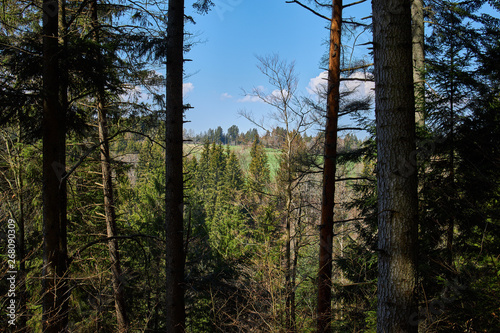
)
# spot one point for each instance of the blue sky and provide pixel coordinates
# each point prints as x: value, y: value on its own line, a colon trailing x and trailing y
x: 224, y: 64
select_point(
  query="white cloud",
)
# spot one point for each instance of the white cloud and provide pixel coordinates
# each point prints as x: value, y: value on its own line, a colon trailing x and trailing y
x: 359, y: 88
x: 279, y: 93
x: 318, y: 83
x: 225, y: 96
x: 253, y: 98
x: 260, y: 91
x: 249, y: 99
x: 187, y: 88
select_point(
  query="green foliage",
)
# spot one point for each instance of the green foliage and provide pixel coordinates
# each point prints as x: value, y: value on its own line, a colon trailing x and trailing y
x: 258, y: 170
x: 459, y: 171
x: 20, y: 181
x: 235, y: 207
x: 218, y: 177
x: 232, y: 134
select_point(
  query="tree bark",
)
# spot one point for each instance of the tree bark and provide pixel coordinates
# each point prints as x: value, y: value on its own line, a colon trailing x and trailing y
x: 55, y: 255
x: 417, y: 13
x: 175, y: 313
x: 109, y: 208
x: 397, y: 187
x: 330, y: 168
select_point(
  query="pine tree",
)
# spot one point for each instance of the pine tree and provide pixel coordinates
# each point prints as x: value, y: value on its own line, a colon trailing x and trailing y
x: 329, y: 172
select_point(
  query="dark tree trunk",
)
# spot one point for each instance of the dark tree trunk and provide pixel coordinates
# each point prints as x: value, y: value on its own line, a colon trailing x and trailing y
x: 397, y: 186
x: 330, y: 167
x: 107, y: 178
x: 175, y: 314
x: 55, y: 255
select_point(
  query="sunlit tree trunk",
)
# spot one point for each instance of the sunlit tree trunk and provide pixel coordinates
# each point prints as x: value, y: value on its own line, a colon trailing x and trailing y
x: 330, y: 167
x: 417, y: 13
x: 175, y: 313
x: 55, y: 256
x: 451, y: 160
x: 397, y: 186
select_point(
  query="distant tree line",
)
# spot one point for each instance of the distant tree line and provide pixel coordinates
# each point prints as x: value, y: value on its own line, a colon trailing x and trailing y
x: 270, y: 139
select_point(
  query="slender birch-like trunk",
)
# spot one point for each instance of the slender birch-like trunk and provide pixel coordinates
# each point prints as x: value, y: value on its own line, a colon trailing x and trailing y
x: 417, y: 15
x: 107, y: 181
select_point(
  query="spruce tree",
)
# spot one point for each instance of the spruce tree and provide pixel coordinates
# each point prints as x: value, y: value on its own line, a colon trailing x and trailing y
x: 461, y: 112
x: 259, y: 174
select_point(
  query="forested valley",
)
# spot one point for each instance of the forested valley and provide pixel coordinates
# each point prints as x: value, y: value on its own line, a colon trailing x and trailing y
x: 339, y: 212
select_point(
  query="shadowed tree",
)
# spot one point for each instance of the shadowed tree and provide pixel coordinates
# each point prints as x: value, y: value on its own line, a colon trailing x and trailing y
x: 174, y: 192
x: 396, y: 186
x: 55, y: 254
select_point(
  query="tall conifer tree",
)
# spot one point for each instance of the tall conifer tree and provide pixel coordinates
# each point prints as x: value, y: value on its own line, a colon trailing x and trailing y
x: 174, y: 194
x: 329, y: 171
x: 397, y: 187
x: 55, y: 257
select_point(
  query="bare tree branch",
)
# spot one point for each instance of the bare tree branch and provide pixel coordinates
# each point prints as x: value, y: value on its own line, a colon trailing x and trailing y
x: 310, y: 9
x: 351, y: 129
x: 354, y: 3
x: 350, y: 69
x: 356, y: 79
x: 107, y: 239
x: 354, y: 178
